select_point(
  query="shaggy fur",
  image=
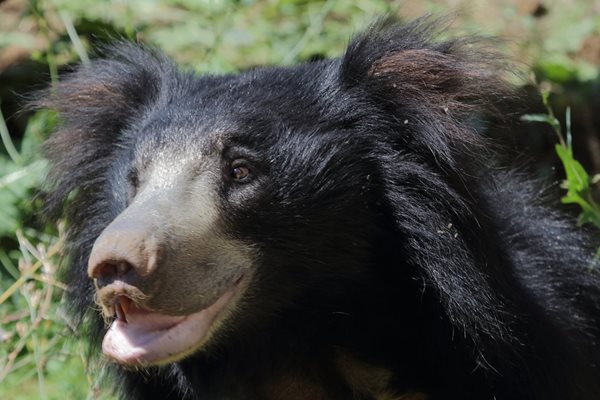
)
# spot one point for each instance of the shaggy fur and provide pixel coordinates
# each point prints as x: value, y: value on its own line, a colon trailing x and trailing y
x: 396, y: 261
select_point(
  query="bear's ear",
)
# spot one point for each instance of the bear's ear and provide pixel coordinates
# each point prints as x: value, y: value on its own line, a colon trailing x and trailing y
x: 95, y: 104
x: 428, y: 94
x: 436, y: 88
x: 447, y: 245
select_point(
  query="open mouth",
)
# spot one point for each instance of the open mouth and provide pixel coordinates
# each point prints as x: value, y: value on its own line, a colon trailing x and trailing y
x: 141, y: 337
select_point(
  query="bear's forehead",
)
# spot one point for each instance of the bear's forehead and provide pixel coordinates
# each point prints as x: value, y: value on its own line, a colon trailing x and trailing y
x: 208, y: 112
x: 259, y: 87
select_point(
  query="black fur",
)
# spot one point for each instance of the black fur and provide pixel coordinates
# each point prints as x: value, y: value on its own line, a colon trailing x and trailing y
x: 384, y: 228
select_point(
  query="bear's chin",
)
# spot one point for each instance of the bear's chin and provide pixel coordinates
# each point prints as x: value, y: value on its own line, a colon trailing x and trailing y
x: 143, y: 338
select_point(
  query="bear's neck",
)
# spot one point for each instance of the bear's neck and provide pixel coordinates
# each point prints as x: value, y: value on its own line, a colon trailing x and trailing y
x: 354, y: 379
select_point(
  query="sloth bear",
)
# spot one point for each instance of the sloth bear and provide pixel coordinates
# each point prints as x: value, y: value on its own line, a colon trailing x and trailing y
x: 329, y: 231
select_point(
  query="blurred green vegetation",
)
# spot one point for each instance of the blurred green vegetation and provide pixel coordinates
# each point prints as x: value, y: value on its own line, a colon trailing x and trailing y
x: 578, y: 183
x: 39, y: 358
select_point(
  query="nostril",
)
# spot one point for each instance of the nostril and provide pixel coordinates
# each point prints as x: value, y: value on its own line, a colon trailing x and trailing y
x: 107, y: 272
x: 123, y: 251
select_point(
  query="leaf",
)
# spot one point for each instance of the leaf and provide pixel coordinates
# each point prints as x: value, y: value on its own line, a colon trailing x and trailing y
x: 591, y: 216
x: 576, y: 199
x: 538, y: 118
x: 577, y: 179
x: 561, y: 71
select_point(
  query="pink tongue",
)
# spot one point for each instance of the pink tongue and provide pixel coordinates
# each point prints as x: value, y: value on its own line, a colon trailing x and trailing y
x: 139, y: 338
x: 150, y: 322
x: 149, y: 338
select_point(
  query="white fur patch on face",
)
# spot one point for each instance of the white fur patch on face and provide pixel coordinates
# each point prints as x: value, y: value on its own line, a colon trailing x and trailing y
x: 199, y: 272
x: 183, y: 195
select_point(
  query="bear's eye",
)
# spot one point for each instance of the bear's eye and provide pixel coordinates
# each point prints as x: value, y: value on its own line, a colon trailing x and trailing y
x: 240, y: 172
